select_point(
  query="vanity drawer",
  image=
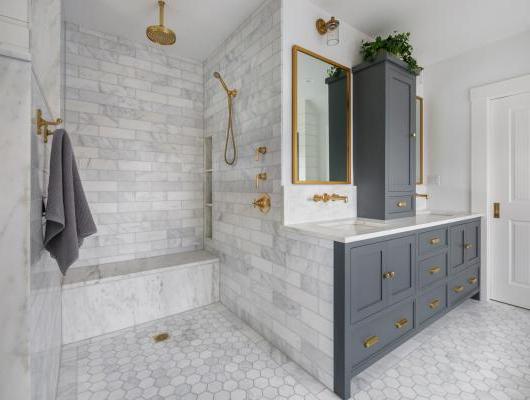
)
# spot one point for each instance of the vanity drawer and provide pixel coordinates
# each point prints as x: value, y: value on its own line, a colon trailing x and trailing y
x: 431, y: 303
x: 399, y: 204
x: 432, y: 269
x: 432, y: 241
x: 463, y: 284
x: 381, y: 330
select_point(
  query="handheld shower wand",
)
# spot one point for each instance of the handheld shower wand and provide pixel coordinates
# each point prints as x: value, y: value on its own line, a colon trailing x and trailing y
x: 231, y: 93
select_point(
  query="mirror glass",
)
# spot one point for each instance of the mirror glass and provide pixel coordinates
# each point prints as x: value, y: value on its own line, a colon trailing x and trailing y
x: 419, y: 140
x: 321, y: 120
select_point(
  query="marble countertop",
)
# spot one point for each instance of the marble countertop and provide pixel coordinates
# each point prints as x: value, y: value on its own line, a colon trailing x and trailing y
x: 357, y: 229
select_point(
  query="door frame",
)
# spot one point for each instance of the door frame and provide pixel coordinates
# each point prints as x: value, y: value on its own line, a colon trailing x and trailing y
x: 481, y: 152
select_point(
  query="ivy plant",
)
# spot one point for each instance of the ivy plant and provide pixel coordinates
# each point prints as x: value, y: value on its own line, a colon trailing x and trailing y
x: 396, y: 44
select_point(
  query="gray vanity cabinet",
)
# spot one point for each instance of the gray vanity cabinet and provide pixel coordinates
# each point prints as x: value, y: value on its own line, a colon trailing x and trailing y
x: 388, y: 271
x: 464, y: 246
x: 389, y: 288
x: 384, y: 95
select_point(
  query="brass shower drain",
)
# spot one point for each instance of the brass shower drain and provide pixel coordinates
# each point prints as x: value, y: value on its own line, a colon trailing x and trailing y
x: 160, y: 337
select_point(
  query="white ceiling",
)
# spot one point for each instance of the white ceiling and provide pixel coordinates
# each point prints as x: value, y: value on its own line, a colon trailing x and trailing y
x: 200, y: 25
x: 439, y: 29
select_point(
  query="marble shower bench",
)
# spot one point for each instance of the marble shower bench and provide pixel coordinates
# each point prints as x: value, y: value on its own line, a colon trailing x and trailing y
x: 104, y: 298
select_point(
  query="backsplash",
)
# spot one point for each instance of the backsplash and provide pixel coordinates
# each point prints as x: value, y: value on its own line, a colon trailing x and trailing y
x: 136, y: 120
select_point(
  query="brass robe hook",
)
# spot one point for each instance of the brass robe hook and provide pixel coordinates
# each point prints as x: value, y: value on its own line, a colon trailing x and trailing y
x: 42, y: 125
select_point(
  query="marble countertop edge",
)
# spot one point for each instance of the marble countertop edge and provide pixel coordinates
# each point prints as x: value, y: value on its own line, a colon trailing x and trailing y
x: 386, y: 228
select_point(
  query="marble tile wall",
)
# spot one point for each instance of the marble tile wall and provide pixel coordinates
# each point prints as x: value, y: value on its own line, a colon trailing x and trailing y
x: 278, y: 282
x: 135, y: 117
x: 45, y: 278
x: 15, y: 152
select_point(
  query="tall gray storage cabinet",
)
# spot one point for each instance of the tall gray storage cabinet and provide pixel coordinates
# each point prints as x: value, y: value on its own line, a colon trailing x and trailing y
x: 384, y: 119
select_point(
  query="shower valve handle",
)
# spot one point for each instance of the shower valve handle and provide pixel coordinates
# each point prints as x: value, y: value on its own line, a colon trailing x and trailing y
x: 260, y: 150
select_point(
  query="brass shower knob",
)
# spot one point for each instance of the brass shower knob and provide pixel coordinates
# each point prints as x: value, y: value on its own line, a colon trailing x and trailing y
x: 263, y: 203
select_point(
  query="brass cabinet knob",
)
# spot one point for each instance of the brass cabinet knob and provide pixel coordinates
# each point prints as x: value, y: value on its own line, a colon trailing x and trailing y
x: 433, y: 305
x: 458, y: 289
x: 434, y: 270
x: 371, y: 341
x: 434, y: 241
x: 401, y: 323
x: 402, y: 204
x: 472, y: 280
x: 467, y: 246
x: 413, y: 135
x: 389, y: 275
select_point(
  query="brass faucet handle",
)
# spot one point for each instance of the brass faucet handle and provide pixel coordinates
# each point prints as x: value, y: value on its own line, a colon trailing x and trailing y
x: 263, y: 203
x: 262, y: 176
x: 337, y: 197
x: 260, y: 150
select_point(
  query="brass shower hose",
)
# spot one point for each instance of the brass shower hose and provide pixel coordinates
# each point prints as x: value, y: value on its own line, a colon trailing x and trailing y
x: 230, y: 132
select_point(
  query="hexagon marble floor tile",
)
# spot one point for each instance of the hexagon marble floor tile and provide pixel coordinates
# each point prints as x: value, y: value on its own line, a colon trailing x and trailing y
x: 481, y: 350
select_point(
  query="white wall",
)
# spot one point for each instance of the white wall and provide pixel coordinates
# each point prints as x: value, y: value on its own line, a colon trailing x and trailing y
x: 299, y: 18
x: 447, y: 113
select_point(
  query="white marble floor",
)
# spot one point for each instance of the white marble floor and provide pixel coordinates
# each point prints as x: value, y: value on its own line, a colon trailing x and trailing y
x: 478, y: 351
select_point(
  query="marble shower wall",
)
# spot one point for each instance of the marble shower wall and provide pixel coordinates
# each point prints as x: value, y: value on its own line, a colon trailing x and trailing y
x: 278, y: 282
x: 135, y: 117
x: 45, y: 278
x: 15, y: 154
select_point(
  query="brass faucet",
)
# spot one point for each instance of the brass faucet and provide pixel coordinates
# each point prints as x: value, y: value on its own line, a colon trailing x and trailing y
x: 330, y: 197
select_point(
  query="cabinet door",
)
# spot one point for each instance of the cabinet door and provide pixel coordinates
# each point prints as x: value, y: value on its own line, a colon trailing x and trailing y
x: 457, y: 253
x: 472, y: 242
x: 400, y: 119
x: 366, y: 285
x: 401, y: 264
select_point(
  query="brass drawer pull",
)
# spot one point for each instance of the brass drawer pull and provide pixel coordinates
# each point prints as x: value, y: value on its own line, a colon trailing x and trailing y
x: 467, y: 246
x: 402, y: 204
x: 434, y: 270
x: 389, y: 275
x: 434, y: 241
x: 371, y: 341
x: 458, y: 289
x: 472, y: 280
x: 433, y: 305
x: 401, y: 323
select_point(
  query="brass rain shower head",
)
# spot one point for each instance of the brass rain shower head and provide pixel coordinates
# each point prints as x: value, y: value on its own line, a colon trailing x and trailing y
x: 159, y: 33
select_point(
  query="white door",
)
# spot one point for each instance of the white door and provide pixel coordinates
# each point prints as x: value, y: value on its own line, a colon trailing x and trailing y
x: 510, y: 187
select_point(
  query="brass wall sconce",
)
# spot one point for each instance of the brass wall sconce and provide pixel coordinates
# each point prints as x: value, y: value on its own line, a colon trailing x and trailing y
x: 329, y: 197
x: 331, y: 28
x: 262, y: 176
x: 42, y: 125
x: 263, y: 203
x: 260, y: 150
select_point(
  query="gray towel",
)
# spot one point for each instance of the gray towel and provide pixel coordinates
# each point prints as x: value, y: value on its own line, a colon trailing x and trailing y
x: 68, y: 217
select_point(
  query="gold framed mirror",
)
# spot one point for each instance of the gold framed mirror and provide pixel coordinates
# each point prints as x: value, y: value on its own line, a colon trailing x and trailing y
x: 321, y: 120
x: 419, y: 141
